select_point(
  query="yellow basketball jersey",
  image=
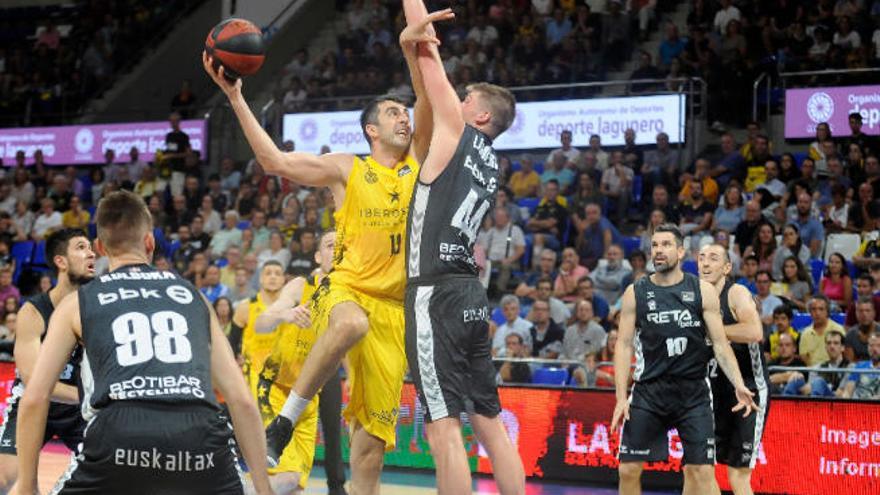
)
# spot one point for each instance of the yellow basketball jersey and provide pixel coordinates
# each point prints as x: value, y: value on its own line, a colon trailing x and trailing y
x: 255, y: 347
x: 291, y: 347
x: 371, y: 228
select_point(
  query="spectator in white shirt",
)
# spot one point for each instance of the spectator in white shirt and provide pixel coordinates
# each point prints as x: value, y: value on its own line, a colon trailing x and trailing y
x: 482, y: 33
x: 213, y: 223
x: 136, y: 166
x: 47, y: 221
x: 768, y: 302
x: 276, y: 251
x: 513, y: 323
x: 572, y: 154
x: 601, y: 155
x: 845, y: 37
x: 505, y: 244
x: 725, y: 14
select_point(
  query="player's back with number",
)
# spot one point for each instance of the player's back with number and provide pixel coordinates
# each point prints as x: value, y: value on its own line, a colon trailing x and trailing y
x: 147, y: 338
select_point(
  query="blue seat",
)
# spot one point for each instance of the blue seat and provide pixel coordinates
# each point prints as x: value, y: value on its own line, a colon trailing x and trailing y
x: 799, y: 158
x: 840, y: 318
x: 92, y: 209
x: 816, y: 269
x: 498, y: 316
x: 159, y: 235
x: 690, y: 266
x: 631, y: 244
x: 527, y: 255
x: 530, y: 203
x: 538, y: 168
x: 800, y: 321
x: 93, y: 231
x: 243, y: 224
x: 637, y: 189
x: 22, y: 252
x: 550, y: 376
x: 39, y: 258
x: 222, y: 262
x: 172, y: 248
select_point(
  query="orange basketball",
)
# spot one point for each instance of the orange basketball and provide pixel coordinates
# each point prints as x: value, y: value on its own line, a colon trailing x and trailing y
x: 237, y: 45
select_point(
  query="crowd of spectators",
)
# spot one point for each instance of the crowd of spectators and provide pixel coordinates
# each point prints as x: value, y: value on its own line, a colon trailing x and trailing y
x: 566, y: 236
x: 53, y: 59
x: 727, y: 43
x: 569, y: 234
x: 506, y: 42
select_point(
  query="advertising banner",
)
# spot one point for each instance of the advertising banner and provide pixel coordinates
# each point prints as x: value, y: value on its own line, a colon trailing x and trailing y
x: 806, y: 108
x: 810, y: 446
x: 537, y: 124
x: 7, y: 376
x: 85, y: 144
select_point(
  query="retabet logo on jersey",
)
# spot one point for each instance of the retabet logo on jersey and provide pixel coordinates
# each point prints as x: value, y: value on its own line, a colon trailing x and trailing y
x: 681, y: 316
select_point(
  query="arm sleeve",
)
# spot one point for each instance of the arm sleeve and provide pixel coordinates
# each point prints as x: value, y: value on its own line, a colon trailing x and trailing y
x: 235, y: 335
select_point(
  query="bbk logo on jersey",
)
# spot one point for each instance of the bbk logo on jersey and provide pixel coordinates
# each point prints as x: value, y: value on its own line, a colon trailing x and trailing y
x: 681, y: 316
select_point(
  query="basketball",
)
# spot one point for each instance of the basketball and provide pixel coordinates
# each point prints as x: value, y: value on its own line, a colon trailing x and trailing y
x: 237, y: 45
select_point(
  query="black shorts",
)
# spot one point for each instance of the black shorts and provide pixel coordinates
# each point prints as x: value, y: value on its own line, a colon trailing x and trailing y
x: 737, y: 437
x: 448, y: 348
x: 659, y: 405
x: 64, y: 421
x: 146, y: 449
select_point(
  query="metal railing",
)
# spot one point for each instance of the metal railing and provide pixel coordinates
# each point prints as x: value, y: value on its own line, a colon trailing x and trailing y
x: 783, y: 79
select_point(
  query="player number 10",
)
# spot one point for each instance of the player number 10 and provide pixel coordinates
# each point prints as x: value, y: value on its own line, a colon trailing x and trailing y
x: 675, y: 346
x: 161, y: 335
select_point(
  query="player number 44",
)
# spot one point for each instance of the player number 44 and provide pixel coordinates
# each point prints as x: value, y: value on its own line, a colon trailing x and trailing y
x: 161, y: 335
x: 469, y: 215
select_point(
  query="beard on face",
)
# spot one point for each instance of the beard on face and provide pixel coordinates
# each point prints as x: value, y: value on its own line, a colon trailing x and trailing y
x: 666, y: 266
x: 80, y: 278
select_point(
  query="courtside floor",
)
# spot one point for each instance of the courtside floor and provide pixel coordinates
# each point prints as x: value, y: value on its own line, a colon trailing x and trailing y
x: 55, y: 457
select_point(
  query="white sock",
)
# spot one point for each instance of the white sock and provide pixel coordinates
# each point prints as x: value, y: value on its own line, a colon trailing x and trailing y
x: 294, y: 407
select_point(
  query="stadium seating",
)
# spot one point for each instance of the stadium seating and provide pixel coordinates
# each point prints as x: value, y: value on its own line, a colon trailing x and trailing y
x: 801, y: 321
x: 550, y: 376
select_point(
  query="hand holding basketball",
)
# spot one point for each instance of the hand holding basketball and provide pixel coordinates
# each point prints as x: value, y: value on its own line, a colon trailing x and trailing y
x: 219, y: 76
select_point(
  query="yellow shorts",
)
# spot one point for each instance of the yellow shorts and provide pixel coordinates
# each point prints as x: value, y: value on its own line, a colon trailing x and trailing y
x: 299, y: 455
x: 377, y: 362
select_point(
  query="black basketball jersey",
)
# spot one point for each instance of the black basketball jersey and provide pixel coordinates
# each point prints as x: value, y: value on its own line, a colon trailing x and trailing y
x: 147, y: 337
x: 670, y: 338
x: 70, y: 374
x: 446, y: 215
x: 749, y: 356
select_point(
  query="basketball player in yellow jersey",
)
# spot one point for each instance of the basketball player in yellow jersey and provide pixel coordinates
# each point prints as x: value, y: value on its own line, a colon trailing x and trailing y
x: 255, y: 347
x: 362, y: 308
x: 289, y: 318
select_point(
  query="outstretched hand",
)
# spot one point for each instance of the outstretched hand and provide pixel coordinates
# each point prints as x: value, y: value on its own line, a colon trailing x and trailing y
x: 423, y: 31
x: 745, y: 401
x: 219, y: 76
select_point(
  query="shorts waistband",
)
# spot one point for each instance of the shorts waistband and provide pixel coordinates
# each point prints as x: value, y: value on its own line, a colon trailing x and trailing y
x: 440, y: 279
x: 162, y: 406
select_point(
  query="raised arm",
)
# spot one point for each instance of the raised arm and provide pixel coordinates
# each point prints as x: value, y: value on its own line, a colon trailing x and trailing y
x: 623, y: 352
x: 721, y: 347
x: 748, y: 327
x: 27, y: 347
x: 284, y: 309
x: 424, y: 118
x: 445, y: 104
x: 248, y: 426
x: 329, y: 170
x: 61, y: 338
